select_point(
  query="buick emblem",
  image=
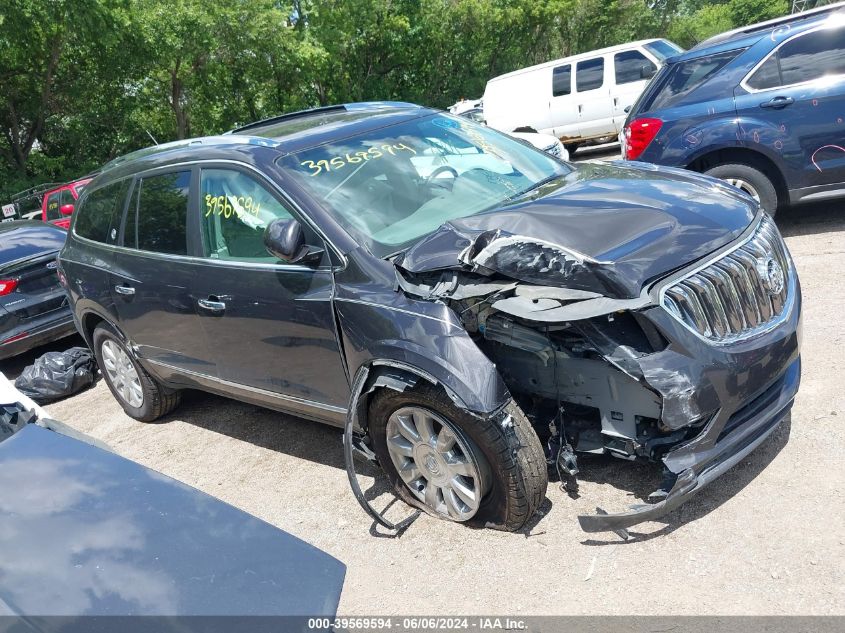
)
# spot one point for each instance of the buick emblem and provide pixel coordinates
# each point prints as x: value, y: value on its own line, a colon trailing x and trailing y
x: 771, y: 274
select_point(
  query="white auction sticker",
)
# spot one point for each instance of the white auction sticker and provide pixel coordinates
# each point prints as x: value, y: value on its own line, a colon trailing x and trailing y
x: 8, y: 210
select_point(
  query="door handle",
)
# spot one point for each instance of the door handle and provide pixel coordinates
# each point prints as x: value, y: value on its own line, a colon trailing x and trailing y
x: 212, y: 304
x: 778, y: 102
x: 580, y: 105
x: 123, y: 289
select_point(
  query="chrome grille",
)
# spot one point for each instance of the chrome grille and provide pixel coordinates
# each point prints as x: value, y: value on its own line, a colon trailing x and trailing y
x: 736, y: 295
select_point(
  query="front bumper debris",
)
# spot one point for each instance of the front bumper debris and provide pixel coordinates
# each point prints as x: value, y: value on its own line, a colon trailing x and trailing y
x: 724, y: 442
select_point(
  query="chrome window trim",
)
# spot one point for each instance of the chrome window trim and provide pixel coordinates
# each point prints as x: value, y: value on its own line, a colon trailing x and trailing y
x: 827, y: 78
x: 662, y: 286
x: 206, y: 260
x: 272, y: 394
x: 264, y: 178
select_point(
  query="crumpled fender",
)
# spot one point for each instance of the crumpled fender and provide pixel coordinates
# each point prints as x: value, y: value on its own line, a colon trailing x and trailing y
x: 377, y: 323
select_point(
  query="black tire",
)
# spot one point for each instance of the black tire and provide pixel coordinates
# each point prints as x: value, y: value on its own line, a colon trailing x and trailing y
x: 517, y: 463
x: 763, y: 185
x: 571, y: 148
x: 157, y: 400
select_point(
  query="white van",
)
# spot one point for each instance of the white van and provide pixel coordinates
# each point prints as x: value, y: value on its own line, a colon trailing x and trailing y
x: 576, y: 98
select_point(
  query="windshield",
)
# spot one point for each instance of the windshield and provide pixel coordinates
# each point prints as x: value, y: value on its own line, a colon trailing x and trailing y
x: 663, y: 49
x: 390, y: 187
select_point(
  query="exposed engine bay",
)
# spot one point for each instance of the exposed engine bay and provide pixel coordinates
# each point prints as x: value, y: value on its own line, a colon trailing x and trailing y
x: 546, y: 343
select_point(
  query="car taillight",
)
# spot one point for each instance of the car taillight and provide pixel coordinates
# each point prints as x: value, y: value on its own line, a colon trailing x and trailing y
x: 7, y: 286
x: 638, y: 134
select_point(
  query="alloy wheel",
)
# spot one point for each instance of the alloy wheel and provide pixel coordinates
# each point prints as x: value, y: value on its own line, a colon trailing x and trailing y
x: 744, y: 185
x: 122, y: 374
x: 438, y: 464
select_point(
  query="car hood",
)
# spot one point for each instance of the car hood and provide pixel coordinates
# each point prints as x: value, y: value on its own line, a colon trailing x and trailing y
x: 605, y: 228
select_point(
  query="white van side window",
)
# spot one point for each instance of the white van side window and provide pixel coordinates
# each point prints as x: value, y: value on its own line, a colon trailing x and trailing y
x: 562, y: 81
x: 589, y: 74
x: 631, y: 66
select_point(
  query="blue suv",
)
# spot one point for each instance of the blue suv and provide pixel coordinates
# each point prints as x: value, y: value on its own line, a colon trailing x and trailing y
x: 761, y: 107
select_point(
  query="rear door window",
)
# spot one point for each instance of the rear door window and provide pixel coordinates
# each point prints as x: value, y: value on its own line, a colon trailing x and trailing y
x: 589, y: 74
x: 53, y: 206
x: 158, y: 213
x: 235, y: 209
x: 806, y: 58
x: 562, y: 81
x: 100, y: 212
x: 631, y: 66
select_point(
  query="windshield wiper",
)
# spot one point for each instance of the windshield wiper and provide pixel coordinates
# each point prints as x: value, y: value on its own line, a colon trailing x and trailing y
x: 534, y: 188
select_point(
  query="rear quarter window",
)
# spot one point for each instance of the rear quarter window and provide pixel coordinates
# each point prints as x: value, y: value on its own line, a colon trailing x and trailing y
x: 680, y: 79
x: 99, y: 213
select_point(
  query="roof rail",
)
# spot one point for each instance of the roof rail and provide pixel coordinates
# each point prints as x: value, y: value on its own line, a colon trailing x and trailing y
x: 321, y: 110
x: 775, y: 22
x: 286, y: 117
x: 34, y: 191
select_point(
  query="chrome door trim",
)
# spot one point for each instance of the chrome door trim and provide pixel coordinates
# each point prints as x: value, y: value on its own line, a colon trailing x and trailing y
x: 271, y: 394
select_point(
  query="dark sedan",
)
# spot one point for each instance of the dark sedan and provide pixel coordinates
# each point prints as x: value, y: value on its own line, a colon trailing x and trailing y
x: 474, y: 308
x: 33, y: 305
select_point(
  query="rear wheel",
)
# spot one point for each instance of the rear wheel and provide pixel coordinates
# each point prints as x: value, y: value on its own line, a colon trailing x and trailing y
x: 140, y: 395
x: 750, y: 180
x: 454, y: 465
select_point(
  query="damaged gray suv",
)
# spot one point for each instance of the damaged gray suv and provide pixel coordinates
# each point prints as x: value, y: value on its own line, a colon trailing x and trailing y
x: 475, y: 312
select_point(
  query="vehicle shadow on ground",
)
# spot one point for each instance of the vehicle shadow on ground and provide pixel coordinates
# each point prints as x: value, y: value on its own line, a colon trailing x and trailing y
x: 306, y: 440
x: 280, y: 432
x: 810, y: 219
x: 639, y: 482
x: 293, y: 436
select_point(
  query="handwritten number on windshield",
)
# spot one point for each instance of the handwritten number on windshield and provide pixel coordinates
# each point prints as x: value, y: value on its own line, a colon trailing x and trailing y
x: 339, y: 162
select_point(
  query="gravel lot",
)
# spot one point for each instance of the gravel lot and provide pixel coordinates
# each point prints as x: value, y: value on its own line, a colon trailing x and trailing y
x: 766, y: 538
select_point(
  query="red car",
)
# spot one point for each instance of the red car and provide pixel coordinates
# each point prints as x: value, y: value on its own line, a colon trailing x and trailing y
x: 58, y: 203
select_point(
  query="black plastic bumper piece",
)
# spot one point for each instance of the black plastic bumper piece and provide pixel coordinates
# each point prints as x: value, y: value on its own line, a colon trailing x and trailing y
x: 711, y: 460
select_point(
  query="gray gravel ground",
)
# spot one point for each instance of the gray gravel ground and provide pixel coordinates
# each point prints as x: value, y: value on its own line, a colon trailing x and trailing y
x: 766, y: 538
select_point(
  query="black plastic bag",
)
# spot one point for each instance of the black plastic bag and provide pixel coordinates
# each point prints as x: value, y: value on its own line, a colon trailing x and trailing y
x: 57, y: 375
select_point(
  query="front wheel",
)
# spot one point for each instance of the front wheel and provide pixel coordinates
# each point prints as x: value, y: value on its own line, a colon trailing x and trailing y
x: 750, y: 180
x: 448, y: 462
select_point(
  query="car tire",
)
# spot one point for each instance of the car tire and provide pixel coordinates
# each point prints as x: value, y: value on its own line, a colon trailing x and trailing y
x: 571, y: 148
x: 510, y: 461
x: 140, y: 395
x: 750, y: 180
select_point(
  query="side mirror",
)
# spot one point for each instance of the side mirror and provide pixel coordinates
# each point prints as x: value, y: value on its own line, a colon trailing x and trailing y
x: 647, y: 71
x: 66, y: 209
x: 285, y: 239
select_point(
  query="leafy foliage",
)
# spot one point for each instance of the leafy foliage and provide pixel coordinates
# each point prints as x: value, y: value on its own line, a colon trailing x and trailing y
x: 86, y: 80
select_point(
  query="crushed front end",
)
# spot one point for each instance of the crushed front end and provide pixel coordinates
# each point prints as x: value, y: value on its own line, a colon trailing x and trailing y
x: 693, y: 374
